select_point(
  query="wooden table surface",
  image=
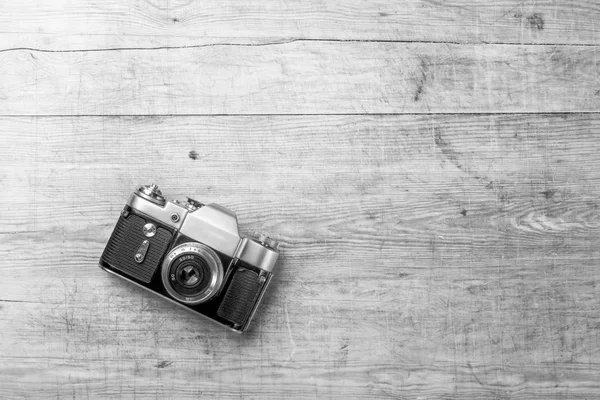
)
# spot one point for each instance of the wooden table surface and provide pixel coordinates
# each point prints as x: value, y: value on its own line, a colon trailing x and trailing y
x: 432, y: 170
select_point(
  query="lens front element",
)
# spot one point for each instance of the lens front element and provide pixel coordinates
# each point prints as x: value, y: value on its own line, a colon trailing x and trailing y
x: 189, y: 276
x: 192, y: 273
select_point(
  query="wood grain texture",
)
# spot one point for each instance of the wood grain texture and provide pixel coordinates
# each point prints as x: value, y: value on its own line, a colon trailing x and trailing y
x: 303, y: 78
x: 431, y: 168
x: 443, y: 256
x: 90, y: 24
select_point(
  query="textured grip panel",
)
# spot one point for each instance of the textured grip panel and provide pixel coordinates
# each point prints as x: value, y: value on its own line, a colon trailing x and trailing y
x: 124, y: 242
x: 240, y: 297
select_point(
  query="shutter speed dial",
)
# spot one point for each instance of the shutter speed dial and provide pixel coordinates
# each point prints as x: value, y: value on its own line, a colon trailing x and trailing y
x: 265, y: 240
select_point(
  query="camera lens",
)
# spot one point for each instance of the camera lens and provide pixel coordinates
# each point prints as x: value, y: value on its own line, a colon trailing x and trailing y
x: 192, y: 273
x: 189, y: 276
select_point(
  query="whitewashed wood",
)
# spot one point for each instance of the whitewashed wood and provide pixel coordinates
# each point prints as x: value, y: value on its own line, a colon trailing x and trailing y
x: 448, y: 256
x: 86, y: 24
x: 433, y: 256
x: 303, y: 78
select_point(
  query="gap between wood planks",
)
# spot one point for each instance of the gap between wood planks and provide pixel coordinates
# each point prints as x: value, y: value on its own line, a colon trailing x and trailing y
x: 375, y: 114
x: 284, y: 42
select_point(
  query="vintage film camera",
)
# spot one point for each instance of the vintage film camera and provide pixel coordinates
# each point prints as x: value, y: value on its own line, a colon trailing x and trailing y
x: 192, y: 255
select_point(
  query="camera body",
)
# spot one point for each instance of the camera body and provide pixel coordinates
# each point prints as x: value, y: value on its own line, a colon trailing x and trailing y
x: 192, y: 255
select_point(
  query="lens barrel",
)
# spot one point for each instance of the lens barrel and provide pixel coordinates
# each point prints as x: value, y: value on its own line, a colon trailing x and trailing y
x: 192, y: 273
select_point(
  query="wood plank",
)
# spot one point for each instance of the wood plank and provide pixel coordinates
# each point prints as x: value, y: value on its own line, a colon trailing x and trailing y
x: 303, y: 78
x: 89, y: 24
x: 435, y: 256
